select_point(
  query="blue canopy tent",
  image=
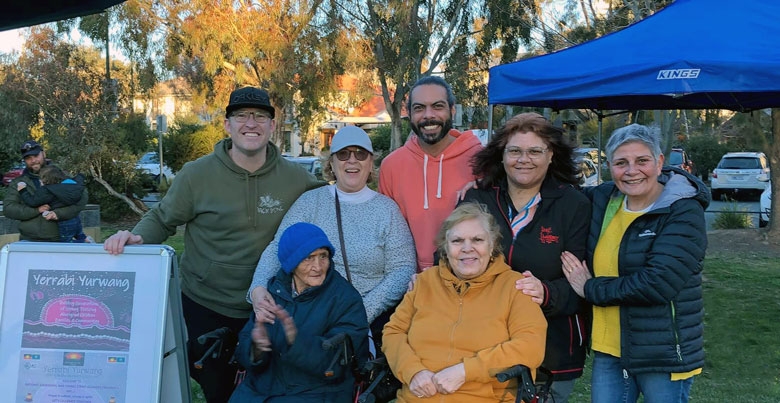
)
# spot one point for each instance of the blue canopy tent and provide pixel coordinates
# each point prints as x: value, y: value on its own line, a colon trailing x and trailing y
x: 18, y: 14
x: 693, y: 54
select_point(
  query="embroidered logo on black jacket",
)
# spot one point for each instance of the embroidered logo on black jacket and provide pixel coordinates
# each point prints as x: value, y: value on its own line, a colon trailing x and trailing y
x: 546, y: 236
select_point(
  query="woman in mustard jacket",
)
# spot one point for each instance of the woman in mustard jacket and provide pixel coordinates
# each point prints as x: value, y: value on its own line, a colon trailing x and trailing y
x: 464, y: 321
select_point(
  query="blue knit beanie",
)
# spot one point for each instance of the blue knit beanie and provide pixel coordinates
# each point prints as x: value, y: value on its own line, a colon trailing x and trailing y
x: 298, y: 242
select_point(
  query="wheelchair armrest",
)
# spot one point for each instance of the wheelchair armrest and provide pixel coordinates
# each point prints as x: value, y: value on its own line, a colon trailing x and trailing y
x: 214, y: 334
x: 526, y: 391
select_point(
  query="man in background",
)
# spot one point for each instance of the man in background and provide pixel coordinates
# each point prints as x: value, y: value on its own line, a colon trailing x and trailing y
x: 37, y: 224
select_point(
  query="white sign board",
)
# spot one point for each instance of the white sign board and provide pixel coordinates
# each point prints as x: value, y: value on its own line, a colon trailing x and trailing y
x: 79, y: 325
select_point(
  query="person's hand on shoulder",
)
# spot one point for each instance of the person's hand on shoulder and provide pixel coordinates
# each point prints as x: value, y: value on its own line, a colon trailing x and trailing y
x: 50, y: 215
x: 422, y: 384
x: 531, y: 286
x: 450, y: 379
x: 263, y: 305
x: 115, y: 244
x: 43, y: 208
x: 413, y: 280
x: 21, y: 185
x: 465, y: 188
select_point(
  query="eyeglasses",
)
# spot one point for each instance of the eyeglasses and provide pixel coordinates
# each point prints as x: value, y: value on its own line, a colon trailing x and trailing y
x: 532, y: 153
x: 360, y: 154
x: 243, y: 117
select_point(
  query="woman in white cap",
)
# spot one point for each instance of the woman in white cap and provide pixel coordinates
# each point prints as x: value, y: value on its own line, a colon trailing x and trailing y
x: 289, y: 360
x: 375, y: 250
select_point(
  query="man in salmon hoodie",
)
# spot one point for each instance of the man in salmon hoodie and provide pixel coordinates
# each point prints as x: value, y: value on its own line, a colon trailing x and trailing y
x: 426, y: 174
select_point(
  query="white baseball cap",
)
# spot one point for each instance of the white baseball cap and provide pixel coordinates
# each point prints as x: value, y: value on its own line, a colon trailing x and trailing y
x: 350, y: 136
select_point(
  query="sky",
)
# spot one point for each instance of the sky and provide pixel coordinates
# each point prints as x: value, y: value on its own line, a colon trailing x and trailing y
x: 10, y: 40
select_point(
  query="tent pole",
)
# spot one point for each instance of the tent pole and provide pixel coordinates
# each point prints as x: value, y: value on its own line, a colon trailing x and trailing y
x: 598, y: 144
x: 490, y: 122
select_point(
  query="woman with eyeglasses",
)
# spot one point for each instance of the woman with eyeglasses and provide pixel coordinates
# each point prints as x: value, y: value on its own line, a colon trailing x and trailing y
x: 528, y: 184
x: 374, y: 248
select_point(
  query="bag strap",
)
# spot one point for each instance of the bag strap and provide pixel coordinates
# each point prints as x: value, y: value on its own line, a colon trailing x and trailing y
x: 341, y: 236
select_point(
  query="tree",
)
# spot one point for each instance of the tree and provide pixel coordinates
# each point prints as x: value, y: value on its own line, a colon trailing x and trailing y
x: 410, y: 39
x: 64, y: 85
x: 292, y: 48
x: 774, y: 160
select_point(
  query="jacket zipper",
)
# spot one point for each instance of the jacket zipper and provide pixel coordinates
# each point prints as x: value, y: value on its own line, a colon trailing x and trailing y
x: 676, y: 333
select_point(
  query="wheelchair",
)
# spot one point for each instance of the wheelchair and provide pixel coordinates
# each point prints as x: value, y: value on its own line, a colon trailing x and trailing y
x: 375, y: 374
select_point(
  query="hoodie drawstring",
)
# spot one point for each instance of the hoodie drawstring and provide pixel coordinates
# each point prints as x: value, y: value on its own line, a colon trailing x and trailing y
x: 425, y: 181
x: 441, y: 162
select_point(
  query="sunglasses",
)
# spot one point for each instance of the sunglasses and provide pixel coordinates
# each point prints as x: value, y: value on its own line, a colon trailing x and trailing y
x: 360, y: 154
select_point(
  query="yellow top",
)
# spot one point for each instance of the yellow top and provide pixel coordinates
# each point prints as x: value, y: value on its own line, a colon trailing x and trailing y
x: 606, y: 319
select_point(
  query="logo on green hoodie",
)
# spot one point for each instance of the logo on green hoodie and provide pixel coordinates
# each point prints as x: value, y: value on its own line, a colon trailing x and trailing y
x: 268, y: 205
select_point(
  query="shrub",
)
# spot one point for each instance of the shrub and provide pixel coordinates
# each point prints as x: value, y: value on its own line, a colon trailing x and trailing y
x: 731, y: 217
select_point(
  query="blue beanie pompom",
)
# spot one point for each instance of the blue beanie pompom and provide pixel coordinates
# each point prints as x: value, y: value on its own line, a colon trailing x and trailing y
x: 298, y: 241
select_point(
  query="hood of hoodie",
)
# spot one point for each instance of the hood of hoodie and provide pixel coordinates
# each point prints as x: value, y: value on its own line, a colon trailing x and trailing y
x: 464, y: 142
x: 679, y: 184
x: 272, y: 156
x: 496, y: 266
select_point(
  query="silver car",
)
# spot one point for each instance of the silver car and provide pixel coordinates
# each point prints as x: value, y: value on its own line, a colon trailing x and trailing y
x: 739, y: 173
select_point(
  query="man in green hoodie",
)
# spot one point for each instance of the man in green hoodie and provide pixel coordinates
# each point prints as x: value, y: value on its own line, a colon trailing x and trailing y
x: 232, y: 202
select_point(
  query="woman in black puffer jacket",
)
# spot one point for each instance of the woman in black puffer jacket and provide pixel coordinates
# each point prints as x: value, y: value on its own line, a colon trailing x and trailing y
x: 647, y: 242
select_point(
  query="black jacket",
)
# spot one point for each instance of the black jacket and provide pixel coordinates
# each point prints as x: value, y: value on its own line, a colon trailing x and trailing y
x: 559, y: 224
x: 55, y: 195
x: 658, y: 287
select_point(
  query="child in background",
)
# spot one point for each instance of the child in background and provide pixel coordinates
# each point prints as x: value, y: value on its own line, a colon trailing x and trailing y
x: 57, y: 190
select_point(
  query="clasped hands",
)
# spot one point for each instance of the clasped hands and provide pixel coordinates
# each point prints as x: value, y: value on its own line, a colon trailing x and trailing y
x: 427, y: 384
x: 260, y: 338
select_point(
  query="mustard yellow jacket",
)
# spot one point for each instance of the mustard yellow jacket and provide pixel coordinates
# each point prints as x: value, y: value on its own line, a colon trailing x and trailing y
x: 484, y: 323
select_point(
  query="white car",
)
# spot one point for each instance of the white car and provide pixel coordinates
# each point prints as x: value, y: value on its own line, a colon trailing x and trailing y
x: 589, y: 176
x: 149, y: 164
x: 312, y: 164
x: 765, y: 204
x: 739, y: 173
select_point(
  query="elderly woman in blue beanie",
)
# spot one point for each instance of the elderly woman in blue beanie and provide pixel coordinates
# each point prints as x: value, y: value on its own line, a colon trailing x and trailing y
x: 285, y: 360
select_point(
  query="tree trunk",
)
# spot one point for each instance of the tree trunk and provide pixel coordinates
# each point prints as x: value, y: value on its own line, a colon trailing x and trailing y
x: 585, y: 13
x: 774, y: 161
x: 133, y: 206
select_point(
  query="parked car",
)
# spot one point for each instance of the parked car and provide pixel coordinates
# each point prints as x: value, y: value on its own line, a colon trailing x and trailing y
x: 312, y: 164
x: 679, y: 158
x: 149, y: 165
x: 739, y: 173
x: 591, y: 154
x: 765, y: 204
x: 589, y: 175
x: 12, y: 174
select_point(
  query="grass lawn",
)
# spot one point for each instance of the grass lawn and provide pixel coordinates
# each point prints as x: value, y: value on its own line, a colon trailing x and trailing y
x: 741, y: 329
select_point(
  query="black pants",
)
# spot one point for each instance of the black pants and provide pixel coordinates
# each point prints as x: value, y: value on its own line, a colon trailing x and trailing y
x: 217, y: 377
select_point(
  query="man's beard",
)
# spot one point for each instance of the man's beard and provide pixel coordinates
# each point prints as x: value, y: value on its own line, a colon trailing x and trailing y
x: 432, y: 139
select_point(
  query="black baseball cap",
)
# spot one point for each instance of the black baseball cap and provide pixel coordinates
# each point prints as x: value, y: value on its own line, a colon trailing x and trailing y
x: 249, y: 97
x: 30, y: 147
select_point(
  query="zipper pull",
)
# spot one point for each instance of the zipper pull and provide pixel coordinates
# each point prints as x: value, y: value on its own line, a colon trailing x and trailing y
x: 625, y: 373
x: 679, y: 353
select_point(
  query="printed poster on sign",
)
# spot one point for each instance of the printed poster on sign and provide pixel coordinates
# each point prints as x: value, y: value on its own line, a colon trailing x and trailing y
x: 76, y: 336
